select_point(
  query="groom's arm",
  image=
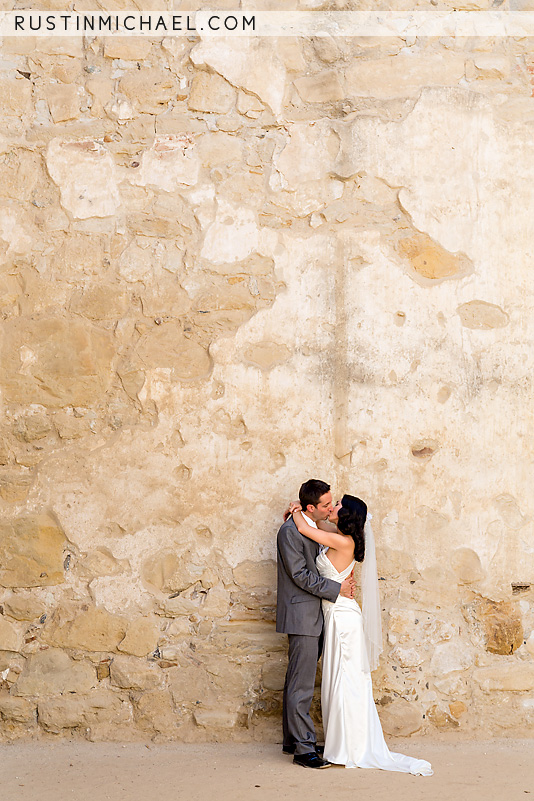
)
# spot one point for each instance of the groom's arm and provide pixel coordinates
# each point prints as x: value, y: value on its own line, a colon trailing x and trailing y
x: 290, y: 547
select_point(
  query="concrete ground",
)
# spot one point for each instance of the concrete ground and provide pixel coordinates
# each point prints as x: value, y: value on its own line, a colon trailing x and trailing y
x: 497, y: 770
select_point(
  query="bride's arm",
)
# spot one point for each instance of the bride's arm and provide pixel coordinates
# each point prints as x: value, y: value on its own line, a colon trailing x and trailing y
x: 326, y: 525
x: 329, y: 538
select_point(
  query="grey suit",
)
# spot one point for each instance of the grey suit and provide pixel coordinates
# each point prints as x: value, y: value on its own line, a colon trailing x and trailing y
x: 299, y: 615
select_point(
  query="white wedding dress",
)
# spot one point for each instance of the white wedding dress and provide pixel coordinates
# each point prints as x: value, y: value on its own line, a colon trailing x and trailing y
x: 353, y: 733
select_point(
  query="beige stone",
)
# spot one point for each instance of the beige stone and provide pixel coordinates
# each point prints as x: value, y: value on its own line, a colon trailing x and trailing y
x: 401, y: 718
x: 171, y: 162
x: 10, y: 638
x: 266, y: 355
x: 55, y: 362
x: 449, y: 657
x: 56, y: 713
x: 273, y: 673
x: 217, y: 602
x: 440, y: 718
x: 51, y: 672
x: 150, y: 90
x: 255, y: 574
x: 498, y: 622
x: 15, y: 97
x: 210, y: 92
x: 217, y: 718
x: 325, y: 87
x: 100, y: 302
x: 479, y: 314
x: 506, y: 676
x: 155, y: 712
x: 85, y: 173
x: 407, y: 657
x: 127, y: 48
x: 18, y: 709
x: 31, y: 552
x: 219, y: 148
x: 189, y: 684
x: 251, y: 63
x: 167, y: 346
x: 93, y: 630
x: 129, y: 672
x: 429, y: 259
x: 466, y: 564
x: 249, y: 106
x: 23, y: 607
x: 141, y: 637
x: 402, y: 75
x: 63, y: 101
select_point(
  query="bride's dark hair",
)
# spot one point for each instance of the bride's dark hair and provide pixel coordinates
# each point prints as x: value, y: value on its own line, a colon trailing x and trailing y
x: 351, y: 520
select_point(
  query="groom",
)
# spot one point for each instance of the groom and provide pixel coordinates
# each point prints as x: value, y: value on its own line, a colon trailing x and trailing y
x: 299, y: 615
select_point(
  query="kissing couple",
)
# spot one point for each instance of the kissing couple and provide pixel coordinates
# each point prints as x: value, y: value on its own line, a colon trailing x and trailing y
x: 318, y: 547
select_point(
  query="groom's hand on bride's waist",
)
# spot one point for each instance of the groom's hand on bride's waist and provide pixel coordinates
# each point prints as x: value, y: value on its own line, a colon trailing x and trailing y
x: 347, y: 587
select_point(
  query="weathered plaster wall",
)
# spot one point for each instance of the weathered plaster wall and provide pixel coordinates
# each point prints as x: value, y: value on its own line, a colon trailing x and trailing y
x: 228, y: 266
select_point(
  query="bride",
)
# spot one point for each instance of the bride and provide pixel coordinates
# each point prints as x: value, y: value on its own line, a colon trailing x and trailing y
x: 352, y: 644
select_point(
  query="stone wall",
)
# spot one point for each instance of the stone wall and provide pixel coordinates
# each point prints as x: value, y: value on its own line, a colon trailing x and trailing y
x: 228, y: 266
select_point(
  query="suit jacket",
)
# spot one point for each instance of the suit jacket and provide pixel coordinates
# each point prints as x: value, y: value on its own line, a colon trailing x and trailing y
x: 300, y: 587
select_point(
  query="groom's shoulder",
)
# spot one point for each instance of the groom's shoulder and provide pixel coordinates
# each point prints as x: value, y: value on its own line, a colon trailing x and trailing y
x: 288, y: 529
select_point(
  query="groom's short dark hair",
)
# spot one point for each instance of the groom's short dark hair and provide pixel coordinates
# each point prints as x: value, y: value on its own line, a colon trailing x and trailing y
x: 311, y: 491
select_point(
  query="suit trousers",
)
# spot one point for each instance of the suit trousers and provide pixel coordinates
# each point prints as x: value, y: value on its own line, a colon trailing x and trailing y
x: 298, y: 728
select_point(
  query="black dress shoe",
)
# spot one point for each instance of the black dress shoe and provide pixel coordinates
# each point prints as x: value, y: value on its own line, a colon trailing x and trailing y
x: 311, y: 760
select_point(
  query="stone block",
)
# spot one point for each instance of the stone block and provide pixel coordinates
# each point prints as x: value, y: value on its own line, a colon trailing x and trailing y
x: 429, y: 260
x: 131, y: 673
x: 169, y: 347
x: 23, y: 607
x: 255, y: 574
x: 402, y: 75
x: 15, y: 97
x: 401, y: 718
x: 252, y: 63
x: 52, y: 672
x: 217, y: 602
x: 211, y: 93
x: 10, y: 637
x: 266, y: 355
x: 93, y: 630
x: 249, y: 106
x: 466, y: 565
x: 154, y: 711
x: 141, y: 637
x: 506, y: 676
x: 441, y: 718
x: 219, y: 148
x: 479, y: 314
x: 63, y: 712
x: 86, y: 176
x: 189, y: 684
x: 31, y: 552
x: 273, y: 673
x: 407, y: 657
x: 325, y: 87
x: 55, y: 362
x: 217, y: 718
x: 150, y: 90
x: 100, y: 302
x: 63, y: 101
x: 449, y: 657
x: 498, y: 622
x: 171, y: 163
x: 18, y: 709
x: 127, y: 48
x: 171, y: 572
